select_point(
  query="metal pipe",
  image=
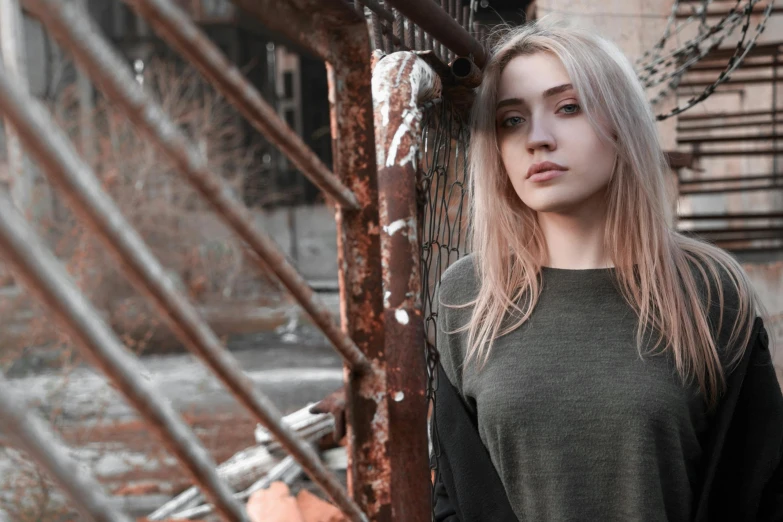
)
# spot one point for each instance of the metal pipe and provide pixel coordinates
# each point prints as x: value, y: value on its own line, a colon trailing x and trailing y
x: 726, y: 139
x: 729, y: 190
x: 177, y: 28
x: 35, y: 437
x: 735, y: 81
x: 741, y: 114
x: 727, y: 179
x: 42, y: 273
x: 401, y: 83
x: 740, y: 215
x: 359, y: 277
x: 721, y: 126
x: 89, y: 48
x: 730, y: 152
x: 445, y: 29
x: 466, y: 73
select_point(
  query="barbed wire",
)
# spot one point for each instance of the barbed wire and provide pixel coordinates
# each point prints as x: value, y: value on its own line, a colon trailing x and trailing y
x: 657, y: 67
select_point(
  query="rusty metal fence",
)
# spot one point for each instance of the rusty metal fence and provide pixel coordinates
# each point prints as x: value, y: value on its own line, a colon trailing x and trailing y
x: 373, y: 183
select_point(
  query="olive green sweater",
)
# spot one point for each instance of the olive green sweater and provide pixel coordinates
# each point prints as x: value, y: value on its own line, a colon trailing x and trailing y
x: 577, y: 424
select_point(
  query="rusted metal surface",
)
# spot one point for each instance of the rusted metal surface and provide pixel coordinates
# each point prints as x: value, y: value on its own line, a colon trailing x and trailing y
x: 180, y: 32
x: 77, y: 35
x: 401, y: 83
x: 370, y: 472
x: 40, y: 271
x: 348, y: 73
x: 35, y: 437
x: 466, y: 73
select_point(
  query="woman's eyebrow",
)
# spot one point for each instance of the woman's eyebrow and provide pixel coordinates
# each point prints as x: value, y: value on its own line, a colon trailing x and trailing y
x: 552, y: 91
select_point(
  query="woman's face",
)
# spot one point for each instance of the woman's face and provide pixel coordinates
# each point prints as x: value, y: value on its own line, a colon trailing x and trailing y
x: 539, y: 119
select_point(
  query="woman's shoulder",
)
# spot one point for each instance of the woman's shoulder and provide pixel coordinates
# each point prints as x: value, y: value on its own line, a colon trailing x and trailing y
x: 459, y: 282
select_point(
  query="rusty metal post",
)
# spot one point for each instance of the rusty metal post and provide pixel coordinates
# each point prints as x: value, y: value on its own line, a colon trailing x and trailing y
x: 401, y: 83
x: 348, y: 68
x: 360, y: 278
x: 35, y: 437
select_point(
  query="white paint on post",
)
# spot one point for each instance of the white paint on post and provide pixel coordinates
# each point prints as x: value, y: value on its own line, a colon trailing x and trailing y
x: 401, y: 316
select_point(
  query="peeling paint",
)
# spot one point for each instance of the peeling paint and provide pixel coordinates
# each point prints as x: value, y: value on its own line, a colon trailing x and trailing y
x: 396, y: 226
x: 401, y: 316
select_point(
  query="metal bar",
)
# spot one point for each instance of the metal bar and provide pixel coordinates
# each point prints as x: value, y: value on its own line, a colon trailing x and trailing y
x: 376, y: 31
x: 12, y: 49
x: 410, y: 35
x: 741, y: 114
x: 728, y: 179
x: 378, y: 9
x: 721, y: 67
x: 401, y: 83
x: 89, y: 48
x: 707, y: 231
x: 735, y: 81
x: 749, y: 152
x: 35, y: 437
x: 738, y: 235
x: 740, y: 215
x: 174, y: 26
x: 445, y: 54
x: 692, y: 192
x: 724, y: 13
x: 41, y: 272
x: 726, y: 139
x: 399, y: 27
x: 360, y: 277
x: 348, y: 73
x: 721, y: 126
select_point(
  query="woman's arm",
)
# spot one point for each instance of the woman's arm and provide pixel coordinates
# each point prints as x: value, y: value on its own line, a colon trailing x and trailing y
x: 443, y: 509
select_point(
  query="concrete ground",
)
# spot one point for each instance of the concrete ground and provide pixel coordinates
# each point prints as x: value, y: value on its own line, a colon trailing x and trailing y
x: 293, y: 366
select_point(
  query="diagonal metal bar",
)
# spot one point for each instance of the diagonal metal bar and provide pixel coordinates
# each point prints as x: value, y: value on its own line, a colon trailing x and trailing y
x: 77, y: 34
x: 178, y: 29
x: 35, y: 437
x: 42, y: 273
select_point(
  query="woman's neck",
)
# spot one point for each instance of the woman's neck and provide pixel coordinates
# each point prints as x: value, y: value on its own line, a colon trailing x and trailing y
x: 575, y: 241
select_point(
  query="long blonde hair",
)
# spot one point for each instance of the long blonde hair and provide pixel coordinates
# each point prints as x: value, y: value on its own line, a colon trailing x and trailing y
x: 655, y: 265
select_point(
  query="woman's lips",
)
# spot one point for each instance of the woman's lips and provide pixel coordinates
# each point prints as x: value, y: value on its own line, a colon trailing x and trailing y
x: 546, y: 175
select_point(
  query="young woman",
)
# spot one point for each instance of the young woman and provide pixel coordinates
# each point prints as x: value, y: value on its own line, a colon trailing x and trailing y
x: 596, y: 365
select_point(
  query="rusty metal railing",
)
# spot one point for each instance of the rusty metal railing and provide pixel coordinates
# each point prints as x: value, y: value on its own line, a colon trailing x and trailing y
x: 378, y: 251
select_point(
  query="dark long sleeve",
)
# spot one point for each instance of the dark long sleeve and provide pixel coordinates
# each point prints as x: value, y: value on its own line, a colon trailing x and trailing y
x: 771, y: 505
x: 744, y: 481
x: 444, y: 509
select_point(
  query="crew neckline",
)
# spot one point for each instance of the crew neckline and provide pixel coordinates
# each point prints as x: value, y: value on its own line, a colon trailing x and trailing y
x: 553, y: 269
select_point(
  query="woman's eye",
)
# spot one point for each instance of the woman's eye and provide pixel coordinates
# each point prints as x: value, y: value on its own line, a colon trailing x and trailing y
x: 512, y: 121
x: 570, y: 108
